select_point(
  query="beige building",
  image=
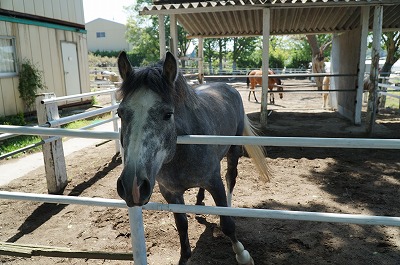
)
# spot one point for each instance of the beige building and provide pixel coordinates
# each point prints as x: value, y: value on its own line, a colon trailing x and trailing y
x: 52, y: 35
x: 106, y: 35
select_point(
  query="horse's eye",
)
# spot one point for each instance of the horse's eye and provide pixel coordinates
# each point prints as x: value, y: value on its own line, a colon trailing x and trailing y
x: 168, y: 116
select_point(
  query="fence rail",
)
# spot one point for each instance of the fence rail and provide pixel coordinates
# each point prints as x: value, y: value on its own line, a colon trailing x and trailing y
x: 136, y: 216
x: 222, y: 140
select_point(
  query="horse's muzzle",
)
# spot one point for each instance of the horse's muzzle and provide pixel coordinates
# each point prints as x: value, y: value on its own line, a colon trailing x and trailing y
x: 136, y: 193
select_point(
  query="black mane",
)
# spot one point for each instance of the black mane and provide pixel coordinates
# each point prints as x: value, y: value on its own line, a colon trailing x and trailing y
x: 152, y: 78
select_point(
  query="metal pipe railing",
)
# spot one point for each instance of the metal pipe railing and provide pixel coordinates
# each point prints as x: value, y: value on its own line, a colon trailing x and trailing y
x: 363, y: 143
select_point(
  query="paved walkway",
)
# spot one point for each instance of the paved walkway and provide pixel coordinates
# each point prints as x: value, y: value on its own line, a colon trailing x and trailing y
x: 19, y: 167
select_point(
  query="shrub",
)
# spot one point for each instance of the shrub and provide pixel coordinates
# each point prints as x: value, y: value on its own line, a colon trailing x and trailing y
x: 30, y: 81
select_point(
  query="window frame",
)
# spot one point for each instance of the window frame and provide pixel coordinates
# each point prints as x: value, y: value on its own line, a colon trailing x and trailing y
x: 14, y: 51
x: 100, y: 34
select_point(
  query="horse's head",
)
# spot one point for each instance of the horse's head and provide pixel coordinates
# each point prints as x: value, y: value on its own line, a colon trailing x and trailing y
x: 148, y: 134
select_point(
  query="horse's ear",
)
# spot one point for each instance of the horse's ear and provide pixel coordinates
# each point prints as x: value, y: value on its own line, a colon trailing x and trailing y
x: 124, y: 66
x: 170, y: 68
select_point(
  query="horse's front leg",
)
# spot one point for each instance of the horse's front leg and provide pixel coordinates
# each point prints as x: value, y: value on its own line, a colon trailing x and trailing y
x: 271, y: 98
x: 181, y: 224
x: 228, y: 225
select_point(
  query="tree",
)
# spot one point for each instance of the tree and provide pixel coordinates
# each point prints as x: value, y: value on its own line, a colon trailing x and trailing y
x: 318, y: 56
x: 300, y: 51
x: 391, y: 42
x: 143, y: 33
x: 209, y: 52
x: 243, y: 52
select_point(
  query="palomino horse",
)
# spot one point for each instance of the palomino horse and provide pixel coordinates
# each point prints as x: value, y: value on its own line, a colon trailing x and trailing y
x: 257, y: 80
x: 158, y: 105
x: 325, y: 86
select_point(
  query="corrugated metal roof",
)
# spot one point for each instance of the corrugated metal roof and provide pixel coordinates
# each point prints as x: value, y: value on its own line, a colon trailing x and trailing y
x: 244, y: 18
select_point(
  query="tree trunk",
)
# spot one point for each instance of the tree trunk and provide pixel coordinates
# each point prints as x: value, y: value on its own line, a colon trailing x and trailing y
x: 312, y: 40
x: 318, y: 60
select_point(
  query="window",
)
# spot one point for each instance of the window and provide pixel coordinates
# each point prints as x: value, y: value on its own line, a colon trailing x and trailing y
x: 8, y: 62
x: 100, y: 34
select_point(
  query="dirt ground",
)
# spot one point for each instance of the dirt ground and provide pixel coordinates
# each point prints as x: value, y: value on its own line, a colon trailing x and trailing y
x: 355, y: 181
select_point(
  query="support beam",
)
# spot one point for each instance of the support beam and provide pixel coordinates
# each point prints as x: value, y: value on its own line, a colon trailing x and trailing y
x: 201, y: 60
x: 265, y: 66
x: 161, y: 34
x: 174, y: 36
x: 361, y: 64
x: 373, y: 88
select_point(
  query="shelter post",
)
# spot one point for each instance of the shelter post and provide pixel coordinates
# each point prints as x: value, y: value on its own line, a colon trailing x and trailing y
x: 373, y: 88
x: 265, y: 66
x: 53, y: 152
x: 174, y: 35
x: 201, y: 60
x: 361, y: 65
x: 161, y: 34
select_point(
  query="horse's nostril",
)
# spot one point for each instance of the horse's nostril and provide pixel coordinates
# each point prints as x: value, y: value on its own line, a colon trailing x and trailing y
x: 145, y: 190
x: 120, y: 189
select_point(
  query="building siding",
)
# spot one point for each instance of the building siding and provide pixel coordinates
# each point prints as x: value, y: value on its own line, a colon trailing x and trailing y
x: 42, y: 45
x: 114, y: 39
x: 67, y: 10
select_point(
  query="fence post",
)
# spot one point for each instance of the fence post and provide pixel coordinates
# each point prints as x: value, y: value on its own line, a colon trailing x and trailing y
x: 53, y: 152
x: 115, y: 122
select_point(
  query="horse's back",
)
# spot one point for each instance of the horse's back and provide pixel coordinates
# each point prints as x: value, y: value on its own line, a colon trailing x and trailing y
x: 222, y: 105
x: 256, y: 79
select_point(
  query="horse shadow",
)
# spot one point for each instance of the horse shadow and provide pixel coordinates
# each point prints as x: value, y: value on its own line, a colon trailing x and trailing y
x: 273, y: 241
x: 47, y: 210
x: 212, y: 247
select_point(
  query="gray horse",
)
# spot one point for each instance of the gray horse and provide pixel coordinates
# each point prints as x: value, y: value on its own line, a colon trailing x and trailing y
x: 158, y: 105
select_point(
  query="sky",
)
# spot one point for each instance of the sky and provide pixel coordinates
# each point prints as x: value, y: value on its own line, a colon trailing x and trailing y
x: 110, y: 10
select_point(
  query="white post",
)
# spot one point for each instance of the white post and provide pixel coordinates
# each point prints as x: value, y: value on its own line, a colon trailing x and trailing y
x: 265, y: 66
x: 115, y: 121
x: 373, y: 89
x: 361, y: 63
x: 174, y: 35
x: 201, y: 60
x: 137, y: 235
x: 53, y: 152
x: 161, y: 34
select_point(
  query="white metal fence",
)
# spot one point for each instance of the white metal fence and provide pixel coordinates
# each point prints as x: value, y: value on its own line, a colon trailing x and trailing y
x: 135, y: 213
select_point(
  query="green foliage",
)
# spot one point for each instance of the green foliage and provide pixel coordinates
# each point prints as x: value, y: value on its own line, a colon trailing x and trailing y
x: 30, y: 81
x: 102, y: 61
x: 18, y: 119
x: 106, y: 53
x: 244, y: 53
x: 142, y: 33
x: 300, y: 60
x: 12, y: 144
x: 276, y: 60
x: 18, y: 142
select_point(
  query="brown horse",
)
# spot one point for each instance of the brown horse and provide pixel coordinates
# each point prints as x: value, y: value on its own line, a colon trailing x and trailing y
x: 257, y: 80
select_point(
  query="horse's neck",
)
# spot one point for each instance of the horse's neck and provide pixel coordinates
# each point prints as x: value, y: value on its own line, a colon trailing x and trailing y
x: 187, y: 109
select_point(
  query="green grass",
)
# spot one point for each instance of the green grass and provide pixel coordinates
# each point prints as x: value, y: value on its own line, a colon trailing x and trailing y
x: 18, y: 142
x: 392, y: 102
